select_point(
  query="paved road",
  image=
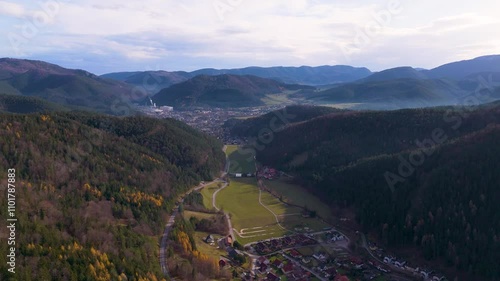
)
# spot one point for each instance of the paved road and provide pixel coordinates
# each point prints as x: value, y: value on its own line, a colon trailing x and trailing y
x: 231, y: 232
x: 164, y: 243
x: 215, y: 195
x: 168, y: 227
x: 304, y: 267
x: 392, y: 267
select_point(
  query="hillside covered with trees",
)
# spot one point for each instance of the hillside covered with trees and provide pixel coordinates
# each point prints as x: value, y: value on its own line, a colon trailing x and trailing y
x: 276, y: 120
x: 93, y: 192
x: 222, y: 91
x: 425, y: 178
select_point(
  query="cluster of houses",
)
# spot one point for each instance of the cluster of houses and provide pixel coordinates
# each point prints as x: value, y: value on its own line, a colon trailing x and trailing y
x: 278, y: 266
x: 273, y: 245
x: 425, y: 274
x: 222, y: 242
x: 327, y: 266
x: 334, y: 236
x: 268, y: 173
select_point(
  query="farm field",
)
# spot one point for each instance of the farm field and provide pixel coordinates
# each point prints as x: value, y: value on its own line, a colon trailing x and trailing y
x: 207, y: 193
x: 251, y: 221
x: 300, y: 224
x: 240, y: 160
x: 278, y: 207
x: 297, y: 195
x: 275, y: 99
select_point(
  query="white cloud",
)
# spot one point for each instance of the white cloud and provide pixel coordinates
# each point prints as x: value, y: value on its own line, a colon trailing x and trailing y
x: 191, y: 33
x: 11, y: 9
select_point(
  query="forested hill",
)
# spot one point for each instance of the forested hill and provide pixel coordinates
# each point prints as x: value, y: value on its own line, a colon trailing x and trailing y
x: 276, y: 120
x: 222, y: 91
x: 442, y: 201
x: 67, y: 87
x: 342, y: 138
x: 25, y: 105
x: 93, y: 192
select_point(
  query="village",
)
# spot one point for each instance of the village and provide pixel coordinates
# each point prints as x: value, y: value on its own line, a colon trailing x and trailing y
x: 208, y: 120
x: 318, y: 256
x: 303, y: 248
x: 309, y: 254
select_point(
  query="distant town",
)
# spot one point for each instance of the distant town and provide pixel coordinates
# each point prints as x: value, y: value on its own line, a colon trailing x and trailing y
x: 208, y: 120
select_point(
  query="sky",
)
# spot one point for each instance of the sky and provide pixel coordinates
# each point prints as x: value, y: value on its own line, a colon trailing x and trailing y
x: 116, y: 35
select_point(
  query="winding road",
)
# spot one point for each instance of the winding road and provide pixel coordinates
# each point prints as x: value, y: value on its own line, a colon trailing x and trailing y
x: 168, y: 227
x: 231, y: 232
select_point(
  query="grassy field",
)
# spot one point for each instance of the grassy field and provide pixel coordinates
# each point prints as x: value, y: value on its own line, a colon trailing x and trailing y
x: 278, y: 207
x: 275, y: 99
x: 207, y: 193
x: 299, y: 224
x: 205, y: 248
x: 299, y: 196
x: 241, y: 160
x: 188, y: 214
x: 251, y: 220
x: 342, y: 105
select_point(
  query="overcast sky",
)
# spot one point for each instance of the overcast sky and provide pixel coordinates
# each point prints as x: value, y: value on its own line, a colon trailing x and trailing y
x: 116, y: 35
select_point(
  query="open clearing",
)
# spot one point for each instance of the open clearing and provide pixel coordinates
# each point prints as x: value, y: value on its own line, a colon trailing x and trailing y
x: 207, y: 249
x: 275, y: 99
x: 258, y: 215
x: 241, y: 160
x: 199, y: 215
x: 251, y: 221
x: 208, y: 192
x: 297, y: 195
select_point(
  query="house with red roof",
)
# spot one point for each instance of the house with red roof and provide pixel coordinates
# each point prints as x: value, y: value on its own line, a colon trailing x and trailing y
x: 263, y: 268
x: 278, y: 264
x: 341, y: 278
x: 288, y: 268
x: 272, y: 277
x: 295, y: 254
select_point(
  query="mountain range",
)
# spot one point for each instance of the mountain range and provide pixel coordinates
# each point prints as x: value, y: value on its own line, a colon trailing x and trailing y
x: 305, y: 75
x: 407, y: 87
x: 223, y: 91
x: 401, y: 87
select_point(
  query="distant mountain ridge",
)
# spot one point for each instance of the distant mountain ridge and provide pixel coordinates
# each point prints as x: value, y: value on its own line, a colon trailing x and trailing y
x: 395, y: 73
x: 392, y: 93
x: 307, y: 75
x: 348, y: 86
x: 462, y: 69
x: 222, y: 91
x: 67, y: 87
x: 406, y: 87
